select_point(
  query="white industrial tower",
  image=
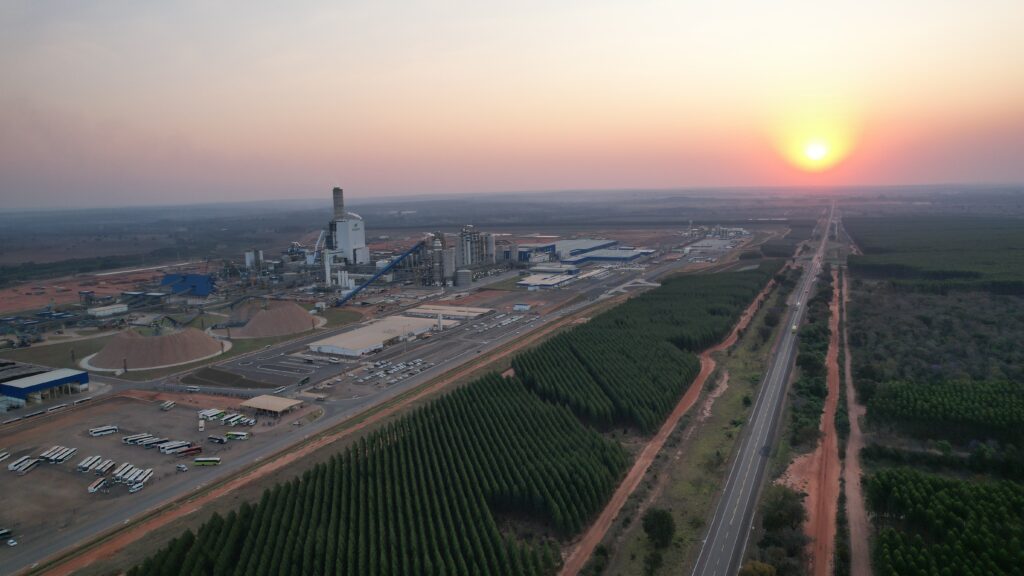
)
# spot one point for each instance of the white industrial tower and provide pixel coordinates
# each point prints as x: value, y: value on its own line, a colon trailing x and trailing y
x: 346, y: 233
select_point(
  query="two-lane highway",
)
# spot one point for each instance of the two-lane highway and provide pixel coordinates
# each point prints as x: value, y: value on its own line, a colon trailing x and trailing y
x: 726, y: 540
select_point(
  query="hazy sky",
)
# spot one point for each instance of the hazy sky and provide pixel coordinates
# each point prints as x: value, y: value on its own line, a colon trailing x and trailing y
x: 158, y: 102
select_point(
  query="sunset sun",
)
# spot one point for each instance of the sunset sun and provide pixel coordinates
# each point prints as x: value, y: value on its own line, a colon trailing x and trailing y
x: 816, y: 151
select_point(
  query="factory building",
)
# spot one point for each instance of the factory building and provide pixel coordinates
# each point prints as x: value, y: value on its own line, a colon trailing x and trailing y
x: 346, y: 233
x: 555, y: 269
x: 254, y: 259
x: 475, y: 248
x: 569, y: 248
x: 193, y: 288
x: 39, y: 387
x: 610, y: 256
x: 106, y: 311
x: 452, y: 312
x: 536, y: 281
x: 376, y: 335
x: 559, y: 249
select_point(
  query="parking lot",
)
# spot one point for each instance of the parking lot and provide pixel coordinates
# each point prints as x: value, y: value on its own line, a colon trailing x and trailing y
x: 54, y: 496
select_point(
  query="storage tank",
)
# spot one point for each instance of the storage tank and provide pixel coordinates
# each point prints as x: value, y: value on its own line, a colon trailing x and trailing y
x: 463, y: 278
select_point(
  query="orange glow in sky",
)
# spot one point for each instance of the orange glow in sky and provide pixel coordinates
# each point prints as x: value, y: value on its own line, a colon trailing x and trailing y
x: 140, y: 102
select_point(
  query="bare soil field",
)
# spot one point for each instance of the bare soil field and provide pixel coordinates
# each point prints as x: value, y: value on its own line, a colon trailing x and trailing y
x: 27, y: 297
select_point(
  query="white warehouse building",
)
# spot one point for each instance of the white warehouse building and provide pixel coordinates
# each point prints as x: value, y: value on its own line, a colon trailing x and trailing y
x: 376, y: 335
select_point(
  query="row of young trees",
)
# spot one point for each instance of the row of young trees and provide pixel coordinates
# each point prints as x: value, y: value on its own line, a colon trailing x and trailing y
x: 936, y: 525
x: 956, y: 410
x: 423, y: 495
x: 629, y: 365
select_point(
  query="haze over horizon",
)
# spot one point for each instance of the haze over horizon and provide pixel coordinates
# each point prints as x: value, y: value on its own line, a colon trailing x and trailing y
x: 125, y: 103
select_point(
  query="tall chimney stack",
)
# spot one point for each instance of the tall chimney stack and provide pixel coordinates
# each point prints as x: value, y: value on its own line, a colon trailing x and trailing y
x: 339, y: 204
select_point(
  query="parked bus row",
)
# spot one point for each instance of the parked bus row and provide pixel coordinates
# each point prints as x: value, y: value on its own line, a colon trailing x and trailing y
x: 96, y: 464
x: 232, y: 435
x: 165, y: 445
x: 58, y: 454
x: 167, y: 405
x: 24, y: 465
x: 4, y: 454
x: 231, y: 419
x: 41, y: 412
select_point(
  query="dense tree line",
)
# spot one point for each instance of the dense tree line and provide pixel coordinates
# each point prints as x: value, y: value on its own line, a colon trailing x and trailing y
x: 423, y: 495
x: 941, y: 253
x: 782, y: 546
x: 936, y: 525
x: 1005, y: 460
x: 807, y: 396
x: 630, y: 364
x: 960, y: 411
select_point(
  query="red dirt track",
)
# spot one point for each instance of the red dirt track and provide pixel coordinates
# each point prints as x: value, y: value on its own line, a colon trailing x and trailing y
x: 592, y: 537
x: 817, y: 473
x: 857, y: 515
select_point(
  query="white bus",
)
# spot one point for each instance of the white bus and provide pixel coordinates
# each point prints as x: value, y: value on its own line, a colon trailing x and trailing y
x: 102, y: 430
x: 97, y: 485
x: 14, y: 465
x: 237, y: 435
x: 172, y: 446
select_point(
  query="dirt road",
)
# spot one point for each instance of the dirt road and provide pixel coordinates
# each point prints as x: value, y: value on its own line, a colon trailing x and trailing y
x: 817, y: 473
x: 860, y: 554
x: 592, y: 537
x: 128, y: 535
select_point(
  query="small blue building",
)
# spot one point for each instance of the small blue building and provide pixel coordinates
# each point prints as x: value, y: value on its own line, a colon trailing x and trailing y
x: 39, y: 387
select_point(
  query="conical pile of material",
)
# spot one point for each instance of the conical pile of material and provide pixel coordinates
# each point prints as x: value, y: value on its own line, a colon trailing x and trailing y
x: 278, y: 319
x: 151, y: 351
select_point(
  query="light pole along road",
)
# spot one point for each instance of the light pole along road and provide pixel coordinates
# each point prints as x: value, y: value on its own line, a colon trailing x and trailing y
x: 726, y: 539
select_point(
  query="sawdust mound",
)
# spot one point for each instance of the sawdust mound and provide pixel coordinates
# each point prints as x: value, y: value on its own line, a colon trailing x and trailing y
x: 278, y: 319
x: 148, y: 351
x: 242, y: 313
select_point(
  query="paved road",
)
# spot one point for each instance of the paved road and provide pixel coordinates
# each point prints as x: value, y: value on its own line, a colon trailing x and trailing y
x: 726, y: 539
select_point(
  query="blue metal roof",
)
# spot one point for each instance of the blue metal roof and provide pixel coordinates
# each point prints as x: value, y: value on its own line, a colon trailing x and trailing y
x: 195, y: 284
x: 22, y: 387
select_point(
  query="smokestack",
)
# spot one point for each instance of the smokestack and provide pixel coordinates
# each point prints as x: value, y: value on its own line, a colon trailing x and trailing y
x: 339, y: 204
